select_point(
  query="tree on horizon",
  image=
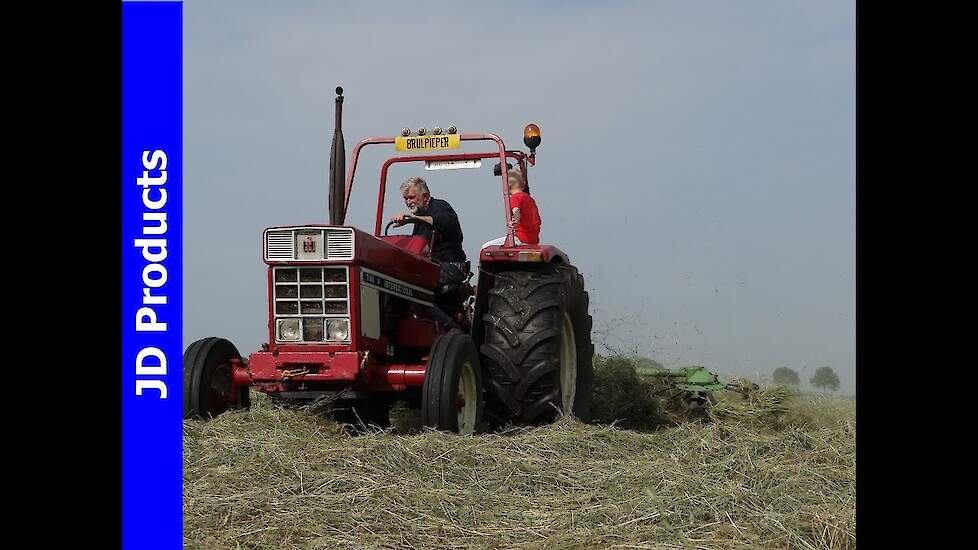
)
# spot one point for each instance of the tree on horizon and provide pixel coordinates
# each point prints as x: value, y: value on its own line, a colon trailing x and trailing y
x: 824, y: 378
x: 785, y: 376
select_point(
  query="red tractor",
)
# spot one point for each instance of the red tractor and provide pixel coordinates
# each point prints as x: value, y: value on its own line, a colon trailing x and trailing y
x: 349, y: 315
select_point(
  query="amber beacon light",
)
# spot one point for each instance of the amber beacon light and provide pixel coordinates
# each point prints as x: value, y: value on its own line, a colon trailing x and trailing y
x: 531, y: 137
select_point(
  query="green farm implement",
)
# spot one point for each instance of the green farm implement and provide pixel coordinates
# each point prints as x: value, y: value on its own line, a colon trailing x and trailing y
x: 693, y: 387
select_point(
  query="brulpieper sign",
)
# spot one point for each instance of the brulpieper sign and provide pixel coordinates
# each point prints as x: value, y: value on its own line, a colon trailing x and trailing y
x: 152, y: 161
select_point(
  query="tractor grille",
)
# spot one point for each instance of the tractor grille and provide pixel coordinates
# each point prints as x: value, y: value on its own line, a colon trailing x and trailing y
x: 307, y: 300
x: 313, y: 244
x: 280, y: 245
x: 339, y: 245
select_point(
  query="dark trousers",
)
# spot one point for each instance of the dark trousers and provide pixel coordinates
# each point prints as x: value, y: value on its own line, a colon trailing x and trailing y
x: 442, y: 318
x: 449, y: 279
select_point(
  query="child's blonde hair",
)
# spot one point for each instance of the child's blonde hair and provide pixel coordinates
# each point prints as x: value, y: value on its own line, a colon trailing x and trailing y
x: 514, y: 176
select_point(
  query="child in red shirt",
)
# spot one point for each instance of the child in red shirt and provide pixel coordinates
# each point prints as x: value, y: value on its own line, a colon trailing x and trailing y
x: 526, y: 216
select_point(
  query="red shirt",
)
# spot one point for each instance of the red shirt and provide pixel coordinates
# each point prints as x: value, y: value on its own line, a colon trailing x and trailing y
x: 528, y: 230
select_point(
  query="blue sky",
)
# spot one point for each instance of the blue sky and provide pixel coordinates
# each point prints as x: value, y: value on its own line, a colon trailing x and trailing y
x: 698, y: 158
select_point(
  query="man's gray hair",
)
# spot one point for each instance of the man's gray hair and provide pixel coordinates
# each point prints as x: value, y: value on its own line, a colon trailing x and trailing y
x: 422, y: 185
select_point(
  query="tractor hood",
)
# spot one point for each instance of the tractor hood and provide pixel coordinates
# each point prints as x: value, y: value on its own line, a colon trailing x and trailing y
x: 332, y: 244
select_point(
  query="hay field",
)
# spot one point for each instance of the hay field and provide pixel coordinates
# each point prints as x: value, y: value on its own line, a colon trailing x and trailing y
x: 757, y: 476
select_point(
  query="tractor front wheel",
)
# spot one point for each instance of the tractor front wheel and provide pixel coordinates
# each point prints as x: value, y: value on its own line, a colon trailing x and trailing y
x: 451, y: 396
x: 208, y: 387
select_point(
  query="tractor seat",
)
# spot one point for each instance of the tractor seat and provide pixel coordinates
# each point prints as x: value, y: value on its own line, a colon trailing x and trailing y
x: 415, y: 244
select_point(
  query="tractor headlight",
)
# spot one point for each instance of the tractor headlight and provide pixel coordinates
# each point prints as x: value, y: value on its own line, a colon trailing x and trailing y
x: 288, y: 330
x: 338, y: 329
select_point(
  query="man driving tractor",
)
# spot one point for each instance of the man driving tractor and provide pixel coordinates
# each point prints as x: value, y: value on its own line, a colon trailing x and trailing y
x: 436, y: 216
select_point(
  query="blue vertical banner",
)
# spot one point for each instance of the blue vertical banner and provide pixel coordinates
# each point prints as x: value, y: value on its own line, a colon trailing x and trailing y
x: 152, y: 282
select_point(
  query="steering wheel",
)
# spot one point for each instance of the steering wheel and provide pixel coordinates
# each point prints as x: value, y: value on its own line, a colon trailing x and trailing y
x: 406, y: 221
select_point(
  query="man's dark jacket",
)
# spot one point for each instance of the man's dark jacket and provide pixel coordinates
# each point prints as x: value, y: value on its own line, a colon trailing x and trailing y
x: 448, y: 241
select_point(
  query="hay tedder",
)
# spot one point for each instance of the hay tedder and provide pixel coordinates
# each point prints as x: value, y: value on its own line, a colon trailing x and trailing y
x: 693, y: 387
x: 350, y: 314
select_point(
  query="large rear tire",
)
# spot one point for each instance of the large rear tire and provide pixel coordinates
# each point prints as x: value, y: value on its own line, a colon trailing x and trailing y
x: 452, y: 396
x: 538, y: 351
x: 208, y: 389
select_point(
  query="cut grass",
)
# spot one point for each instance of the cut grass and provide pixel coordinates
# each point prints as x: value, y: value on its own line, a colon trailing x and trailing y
x: 270, y: 478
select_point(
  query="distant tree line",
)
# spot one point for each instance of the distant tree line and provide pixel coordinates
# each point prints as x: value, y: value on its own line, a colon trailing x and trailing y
x: 824, y: 379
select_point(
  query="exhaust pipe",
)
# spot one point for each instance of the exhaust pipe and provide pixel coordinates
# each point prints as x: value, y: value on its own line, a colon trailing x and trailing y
x: 337, y: 166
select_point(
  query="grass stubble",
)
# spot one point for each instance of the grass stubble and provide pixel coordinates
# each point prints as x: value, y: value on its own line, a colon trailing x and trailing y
x: 769, y: 470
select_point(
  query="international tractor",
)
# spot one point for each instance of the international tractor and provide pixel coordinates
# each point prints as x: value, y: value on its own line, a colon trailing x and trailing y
x: 349, y: 313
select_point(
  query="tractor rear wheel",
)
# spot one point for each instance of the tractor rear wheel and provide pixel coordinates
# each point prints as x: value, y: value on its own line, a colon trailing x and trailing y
x: 537, y: 350
x: 208, y: 388
x: 451, y: 396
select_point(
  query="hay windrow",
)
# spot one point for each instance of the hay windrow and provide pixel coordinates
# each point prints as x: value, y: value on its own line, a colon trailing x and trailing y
x: 765, y: 405
x: 269, y: 478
